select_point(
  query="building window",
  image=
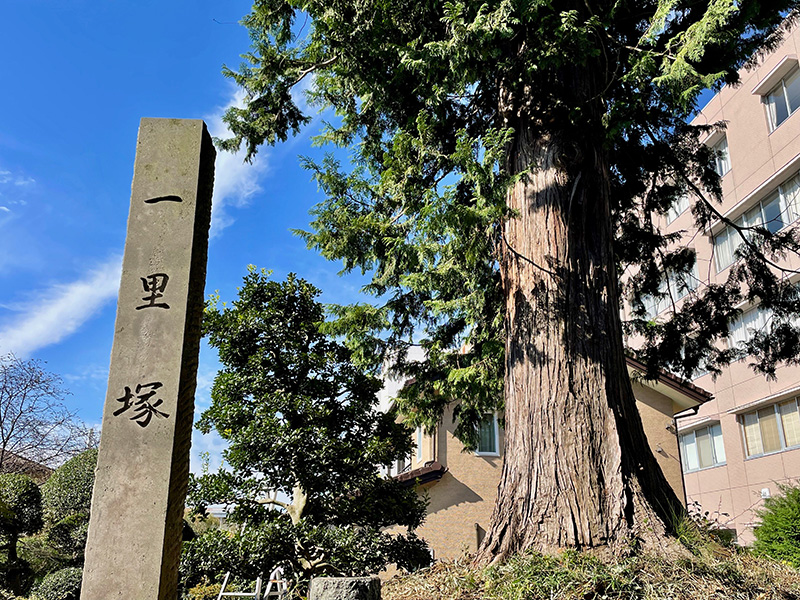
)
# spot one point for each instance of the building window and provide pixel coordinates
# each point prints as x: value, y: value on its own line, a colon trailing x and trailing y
x: 403, y: 465
x: 771, y: 429
x: 722, y: 160
x: 782, y: 100
x: 675, y: 287
x: 420, y: 437
x: 702, y: 448
x: 772, y: 213
x: 700, y: 371
x: 488, y: 435
x: 745, y: 326
x: 678, y: 207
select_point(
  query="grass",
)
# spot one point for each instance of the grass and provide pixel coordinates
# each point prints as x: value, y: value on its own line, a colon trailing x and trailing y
x: 710, y: 572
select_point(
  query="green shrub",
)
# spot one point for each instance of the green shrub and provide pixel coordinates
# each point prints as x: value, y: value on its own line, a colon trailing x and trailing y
x: 778, y: 535
x: 246, y: 555
x: 66, y: 501
x: 301, y: 417
x: 69, y: 490
x: 9, y: 595
x: 254, y: 552
x: 68, y: 537
x: 40, y: 555
x: 205, y: 591
x: 17, y: 576
x: 20, y: 514
x: 61, y: 585
x: 21, y: 502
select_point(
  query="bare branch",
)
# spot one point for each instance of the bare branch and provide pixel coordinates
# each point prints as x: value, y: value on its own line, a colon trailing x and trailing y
x: 314, y: 67
x: 35, y: 425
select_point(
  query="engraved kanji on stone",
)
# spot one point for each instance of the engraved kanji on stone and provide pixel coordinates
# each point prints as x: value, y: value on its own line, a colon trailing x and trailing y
x: 144, y: 409
x: 154, y: 285
x: 170, y: 198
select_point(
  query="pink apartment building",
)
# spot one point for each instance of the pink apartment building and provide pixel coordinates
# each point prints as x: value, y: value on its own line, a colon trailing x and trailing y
x: 745, y: 441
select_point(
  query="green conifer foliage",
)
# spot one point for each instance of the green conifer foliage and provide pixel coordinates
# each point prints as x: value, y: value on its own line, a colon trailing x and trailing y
x: 506, y: 163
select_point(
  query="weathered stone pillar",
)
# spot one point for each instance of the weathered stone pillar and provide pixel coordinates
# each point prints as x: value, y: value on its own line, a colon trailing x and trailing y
x: 143, y: 464
x: 345, y: 588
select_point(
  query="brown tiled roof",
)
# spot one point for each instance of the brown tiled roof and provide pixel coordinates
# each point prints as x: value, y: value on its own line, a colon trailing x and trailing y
x: 676, y: 383
x: 432, y: 471
x: 13, y: 463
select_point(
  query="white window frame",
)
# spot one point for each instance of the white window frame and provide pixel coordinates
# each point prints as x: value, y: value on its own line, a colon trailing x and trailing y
x: 722, y: 159
x: 728, y: 239
x: 780, y: 91
x: 779, y: 421
x: 403, y: 465
x: 676, y: 286
x: 420, y: 440
x: 680, y: 206
x: 716, y: 459
x: 496, y: 451
x: 739, y: 333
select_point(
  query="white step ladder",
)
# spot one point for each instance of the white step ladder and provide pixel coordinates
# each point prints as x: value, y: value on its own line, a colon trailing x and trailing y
x: 276, y: 587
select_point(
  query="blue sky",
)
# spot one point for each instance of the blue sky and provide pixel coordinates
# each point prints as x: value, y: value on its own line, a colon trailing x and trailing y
x: 78, y: 76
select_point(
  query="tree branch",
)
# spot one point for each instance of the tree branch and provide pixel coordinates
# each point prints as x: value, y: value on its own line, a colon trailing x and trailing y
x: 312, y: 68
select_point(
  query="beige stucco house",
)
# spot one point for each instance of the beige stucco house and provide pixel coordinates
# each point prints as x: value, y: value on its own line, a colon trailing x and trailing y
x: 462, y: 486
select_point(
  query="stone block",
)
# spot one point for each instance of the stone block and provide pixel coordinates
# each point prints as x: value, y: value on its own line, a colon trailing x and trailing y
x: 345, y: 588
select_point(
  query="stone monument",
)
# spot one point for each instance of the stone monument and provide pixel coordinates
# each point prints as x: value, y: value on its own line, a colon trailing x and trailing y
x: 135, y: 528
x: 345, y: 588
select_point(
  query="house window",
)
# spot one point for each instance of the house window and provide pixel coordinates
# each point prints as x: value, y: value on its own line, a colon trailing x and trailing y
x: 782, y: 100
x: 771, y: 429
x: 488, y: 435
x: 678, y: 207
x: 722, y: 160
x: 745, y: 326
x: 403, y: 465
x: 702, y: 448
x: 772, y: 213
x: 419, y: 443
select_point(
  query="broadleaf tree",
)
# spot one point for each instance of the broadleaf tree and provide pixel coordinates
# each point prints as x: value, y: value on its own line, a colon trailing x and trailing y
x: 507, y: 162
x: 305, y: 440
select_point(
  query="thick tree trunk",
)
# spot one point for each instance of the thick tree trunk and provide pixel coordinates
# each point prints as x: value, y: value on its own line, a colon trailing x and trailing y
x: 577, y: 469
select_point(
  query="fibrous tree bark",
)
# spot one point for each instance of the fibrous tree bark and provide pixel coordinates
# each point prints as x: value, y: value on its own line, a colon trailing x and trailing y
x: 577, y: 470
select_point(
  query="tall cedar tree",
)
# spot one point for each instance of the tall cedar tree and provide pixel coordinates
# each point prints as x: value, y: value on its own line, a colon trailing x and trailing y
x: 507, y: 159
x: 305, y: 438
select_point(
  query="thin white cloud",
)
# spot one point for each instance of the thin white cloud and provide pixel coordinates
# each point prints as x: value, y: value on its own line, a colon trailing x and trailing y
x: 7, y: 177
x: 89, y: 373
x: 60, y: 311
x: 235, y: 181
